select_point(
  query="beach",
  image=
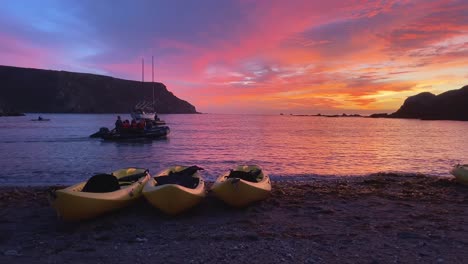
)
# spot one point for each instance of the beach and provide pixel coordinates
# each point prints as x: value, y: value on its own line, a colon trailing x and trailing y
x: 381, y: 218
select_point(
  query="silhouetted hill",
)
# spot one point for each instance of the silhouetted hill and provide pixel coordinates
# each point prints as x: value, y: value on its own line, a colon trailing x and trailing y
x: 451, y: 105
x: 34, y: 90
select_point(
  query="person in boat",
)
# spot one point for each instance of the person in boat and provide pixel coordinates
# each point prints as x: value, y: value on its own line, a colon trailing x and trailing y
x: 39, y: 118
x: 133, y: 124
x: 141, y: 124
x: 156, y: 118
x: 118, y: 124
x: 126, y: 124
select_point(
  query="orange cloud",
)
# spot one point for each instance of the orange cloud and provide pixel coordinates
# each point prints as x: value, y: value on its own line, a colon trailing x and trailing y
x: 303, y: 56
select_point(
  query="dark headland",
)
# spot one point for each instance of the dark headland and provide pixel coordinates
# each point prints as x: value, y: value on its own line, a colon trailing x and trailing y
x: 48, y: 91
x: 450, y: 105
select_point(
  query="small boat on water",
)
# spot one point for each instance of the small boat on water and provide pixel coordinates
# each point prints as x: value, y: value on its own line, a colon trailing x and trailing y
x: 145, y: 123
x: 102, y: 193
x: 146, y: 110
x: 175, y: 189
x: 148, y: 115
x: 40, y: 119
x: 142, y: 111
x: 461, y: 173
x: 156, y: 132
x: 242, y: 186
x: 149, y: 130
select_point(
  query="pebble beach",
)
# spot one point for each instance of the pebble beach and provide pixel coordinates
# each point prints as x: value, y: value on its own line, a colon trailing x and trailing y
x: 381, y: 218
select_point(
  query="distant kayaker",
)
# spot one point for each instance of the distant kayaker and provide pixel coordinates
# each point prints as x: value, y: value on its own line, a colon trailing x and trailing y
x: 118, y: 123
x: 39, y: 118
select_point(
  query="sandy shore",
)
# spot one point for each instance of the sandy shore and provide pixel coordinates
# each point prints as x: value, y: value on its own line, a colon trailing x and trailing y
x: 377, y: 219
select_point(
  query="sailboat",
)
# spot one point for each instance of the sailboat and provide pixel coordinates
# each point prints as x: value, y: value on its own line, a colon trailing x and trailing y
x: 143, y: 110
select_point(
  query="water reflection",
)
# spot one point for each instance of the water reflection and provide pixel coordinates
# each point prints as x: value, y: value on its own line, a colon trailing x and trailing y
x: 60, y: 151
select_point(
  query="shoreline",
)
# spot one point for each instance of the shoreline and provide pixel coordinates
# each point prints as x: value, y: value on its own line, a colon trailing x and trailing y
x: 373, y: 116
x: 302, y: 178
x: 379, y: 218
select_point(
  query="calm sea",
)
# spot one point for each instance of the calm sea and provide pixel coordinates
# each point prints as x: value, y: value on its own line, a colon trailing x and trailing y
x: 60, y: 151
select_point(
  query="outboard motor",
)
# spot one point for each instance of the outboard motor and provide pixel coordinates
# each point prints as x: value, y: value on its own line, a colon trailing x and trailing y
x: 102, y: 131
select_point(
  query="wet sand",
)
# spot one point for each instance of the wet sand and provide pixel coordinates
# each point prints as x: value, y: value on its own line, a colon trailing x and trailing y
x: 383, y: 218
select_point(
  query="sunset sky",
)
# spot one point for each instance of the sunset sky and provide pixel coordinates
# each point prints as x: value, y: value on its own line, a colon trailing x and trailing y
x: 243, y: 56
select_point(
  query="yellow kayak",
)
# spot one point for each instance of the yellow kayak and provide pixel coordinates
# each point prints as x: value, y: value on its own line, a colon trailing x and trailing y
x: 461, y: 173
x: 175, y: 189
x: 241, y: 191
x: 84, y: 201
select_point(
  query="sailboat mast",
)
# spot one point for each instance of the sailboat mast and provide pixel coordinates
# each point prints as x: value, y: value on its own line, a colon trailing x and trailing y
x: 152, y: 80
x: 142, y: 72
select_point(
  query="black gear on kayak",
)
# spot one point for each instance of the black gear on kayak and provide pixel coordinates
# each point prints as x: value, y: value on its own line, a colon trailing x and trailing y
x: 189, y: 182
x: 251, y: 176
x: 133, y: 177
x: 189, y: 171
x: 184, y: 177
x: 101, y: 183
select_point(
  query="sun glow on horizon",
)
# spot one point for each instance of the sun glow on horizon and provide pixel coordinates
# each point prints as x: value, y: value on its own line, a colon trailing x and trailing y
x: 301, y: 57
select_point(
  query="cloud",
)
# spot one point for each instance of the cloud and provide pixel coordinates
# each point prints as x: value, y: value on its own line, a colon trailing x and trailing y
x: 444, y: 21
x: 23, y: 53
x: 251, y: 56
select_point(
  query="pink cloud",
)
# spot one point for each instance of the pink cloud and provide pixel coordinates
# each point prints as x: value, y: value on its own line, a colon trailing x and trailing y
x: 17, y: 52
x: 305, y: 55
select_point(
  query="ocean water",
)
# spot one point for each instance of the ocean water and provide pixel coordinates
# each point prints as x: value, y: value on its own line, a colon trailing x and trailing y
x: 60, y: 151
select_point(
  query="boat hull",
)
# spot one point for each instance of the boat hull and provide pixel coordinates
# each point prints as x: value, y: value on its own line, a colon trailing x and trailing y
x: 71, y: 204
x: 461, y: 173
x: 173, y: 199
x: 240, y: 193
x: 154, y: 133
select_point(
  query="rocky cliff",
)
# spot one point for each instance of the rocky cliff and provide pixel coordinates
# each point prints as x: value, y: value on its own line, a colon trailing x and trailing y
x: 34, y: 90
x: 451, y: 105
